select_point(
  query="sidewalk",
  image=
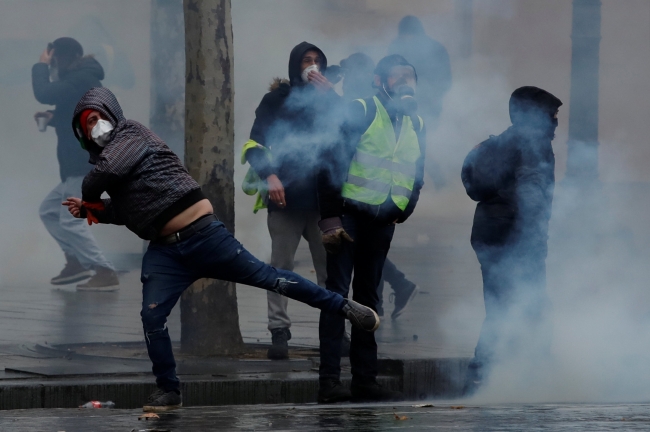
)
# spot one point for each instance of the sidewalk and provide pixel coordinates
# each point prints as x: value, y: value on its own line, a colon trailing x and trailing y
x: 52, y: 354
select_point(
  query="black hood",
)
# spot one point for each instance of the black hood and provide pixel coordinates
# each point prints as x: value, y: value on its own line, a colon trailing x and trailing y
x: 532, y: 107
x: 411, y: 25
x: 295, y: 60
x: 104, y: 101
x: 86, y: 66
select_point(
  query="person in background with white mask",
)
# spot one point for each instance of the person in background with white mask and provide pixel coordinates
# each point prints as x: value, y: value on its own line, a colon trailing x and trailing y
x: 60, y: 78
x: 292, y: 124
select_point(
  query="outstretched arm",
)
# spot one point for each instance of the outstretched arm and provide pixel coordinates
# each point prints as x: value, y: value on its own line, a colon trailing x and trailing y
x: 96, y: 212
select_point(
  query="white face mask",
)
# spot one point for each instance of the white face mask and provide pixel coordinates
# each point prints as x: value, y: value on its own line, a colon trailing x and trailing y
x: 305, y: 73
x: 54, y: 73
x: 100, y: 132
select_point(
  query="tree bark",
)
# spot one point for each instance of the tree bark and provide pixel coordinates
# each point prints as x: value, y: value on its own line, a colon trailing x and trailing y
x: 209, y: 316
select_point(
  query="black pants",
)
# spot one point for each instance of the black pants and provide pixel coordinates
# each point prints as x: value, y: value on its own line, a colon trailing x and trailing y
x: 365, y: 257
x: 395, y: 278
x: 516, y: 305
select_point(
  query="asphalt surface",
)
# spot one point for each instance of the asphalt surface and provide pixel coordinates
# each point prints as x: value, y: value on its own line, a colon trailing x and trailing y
x: 349, y: 417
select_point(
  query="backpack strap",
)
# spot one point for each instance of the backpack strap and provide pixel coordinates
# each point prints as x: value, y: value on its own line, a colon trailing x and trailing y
x: 418, y: 123
x: 370, y: 108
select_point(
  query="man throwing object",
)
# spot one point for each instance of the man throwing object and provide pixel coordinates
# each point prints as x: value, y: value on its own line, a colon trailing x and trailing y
x: 153, y: 195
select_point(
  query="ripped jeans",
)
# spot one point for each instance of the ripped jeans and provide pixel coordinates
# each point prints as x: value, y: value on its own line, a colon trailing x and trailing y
x: 213, y: 252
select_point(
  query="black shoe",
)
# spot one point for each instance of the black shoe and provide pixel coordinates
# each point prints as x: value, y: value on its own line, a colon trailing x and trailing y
x: 71, y: 273
x: 105, y: 279
x: 345, y: 345
x: 331, y: 391
x: 280, y: 348
x: 374, y: 392
x: 161, y: 401
x: 361, y: 316
x: 403, y: 299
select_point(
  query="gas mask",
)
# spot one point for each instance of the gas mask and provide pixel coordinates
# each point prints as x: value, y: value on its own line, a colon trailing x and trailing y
x: 403, y: 98
x: 305, y: 73
x: 101, y: 132
x: 402, y: 91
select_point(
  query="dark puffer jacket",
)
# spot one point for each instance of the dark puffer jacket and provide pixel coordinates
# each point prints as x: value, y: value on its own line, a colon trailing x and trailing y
x: 518, y: 209
x: 295, y: 122
x: 147, y: 183
x: 64, y: 94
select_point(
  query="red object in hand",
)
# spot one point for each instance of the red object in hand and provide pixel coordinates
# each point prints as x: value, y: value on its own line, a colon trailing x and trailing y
x: 89, y: 206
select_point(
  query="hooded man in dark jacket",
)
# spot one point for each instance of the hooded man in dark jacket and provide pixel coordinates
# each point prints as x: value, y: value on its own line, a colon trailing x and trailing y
x: 430, y: 59
x: 372, y: 181
x: 292, y: 123
x: 60, y: 78
x: 152, y: 194
x: 512, y: 178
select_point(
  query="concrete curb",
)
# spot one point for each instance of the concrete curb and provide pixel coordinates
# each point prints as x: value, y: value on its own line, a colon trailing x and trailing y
x: 418, y: 379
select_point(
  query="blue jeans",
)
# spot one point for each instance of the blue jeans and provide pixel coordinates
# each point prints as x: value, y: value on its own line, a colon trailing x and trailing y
x: 366, y: 258
x: 213, y: 252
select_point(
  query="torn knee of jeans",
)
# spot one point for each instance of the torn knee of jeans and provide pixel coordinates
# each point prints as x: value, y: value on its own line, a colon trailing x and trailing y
x: 156, y: 333
x: 153, y: 305
x: 281, y: 285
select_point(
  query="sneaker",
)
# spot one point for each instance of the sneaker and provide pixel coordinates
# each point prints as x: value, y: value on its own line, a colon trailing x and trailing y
x: 161, y: 401
x: 403, y: 299
x: 105, y: 279
x: 331, y: 391
x: 71, y: 273
x: 345, y: 345
x: 361, y: 316
x: 280, y: 348
x: 374, y: 392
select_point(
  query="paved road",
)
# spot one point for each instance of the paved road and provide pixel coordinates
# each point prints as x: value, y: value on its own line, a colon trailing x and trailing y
x: 442, y: 417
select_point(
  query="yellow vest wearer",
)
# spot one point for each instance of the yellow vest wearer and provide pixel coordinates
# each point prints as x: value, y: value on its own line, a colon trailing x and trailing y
x: 382, y: 165
x: 252, y: 183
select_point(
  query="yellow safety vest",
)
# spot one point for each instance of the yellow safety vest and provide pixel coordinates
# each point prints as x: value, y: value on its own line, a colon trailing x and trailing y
x: 252, y: 183
x: 382, y: 165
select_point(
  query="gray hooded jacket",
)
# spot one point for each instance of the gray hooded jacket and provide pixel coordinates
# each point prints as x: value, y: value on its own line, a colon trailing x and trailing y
x: 146, y: 182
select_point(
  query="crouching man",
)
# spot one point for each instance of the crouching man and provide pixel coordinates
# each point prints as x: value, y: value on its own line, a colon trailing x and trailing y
x: 153, y: 195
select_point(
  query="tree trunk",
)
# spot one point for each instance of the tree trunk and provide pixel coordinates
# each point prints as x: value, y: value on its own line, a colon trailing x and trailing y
x: 209, y: 316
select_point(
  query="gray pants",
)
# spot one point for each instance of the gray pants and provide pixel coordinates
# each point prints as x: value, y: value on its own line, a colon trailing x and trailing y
x: 286, y: 228
x: 73, y: 235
